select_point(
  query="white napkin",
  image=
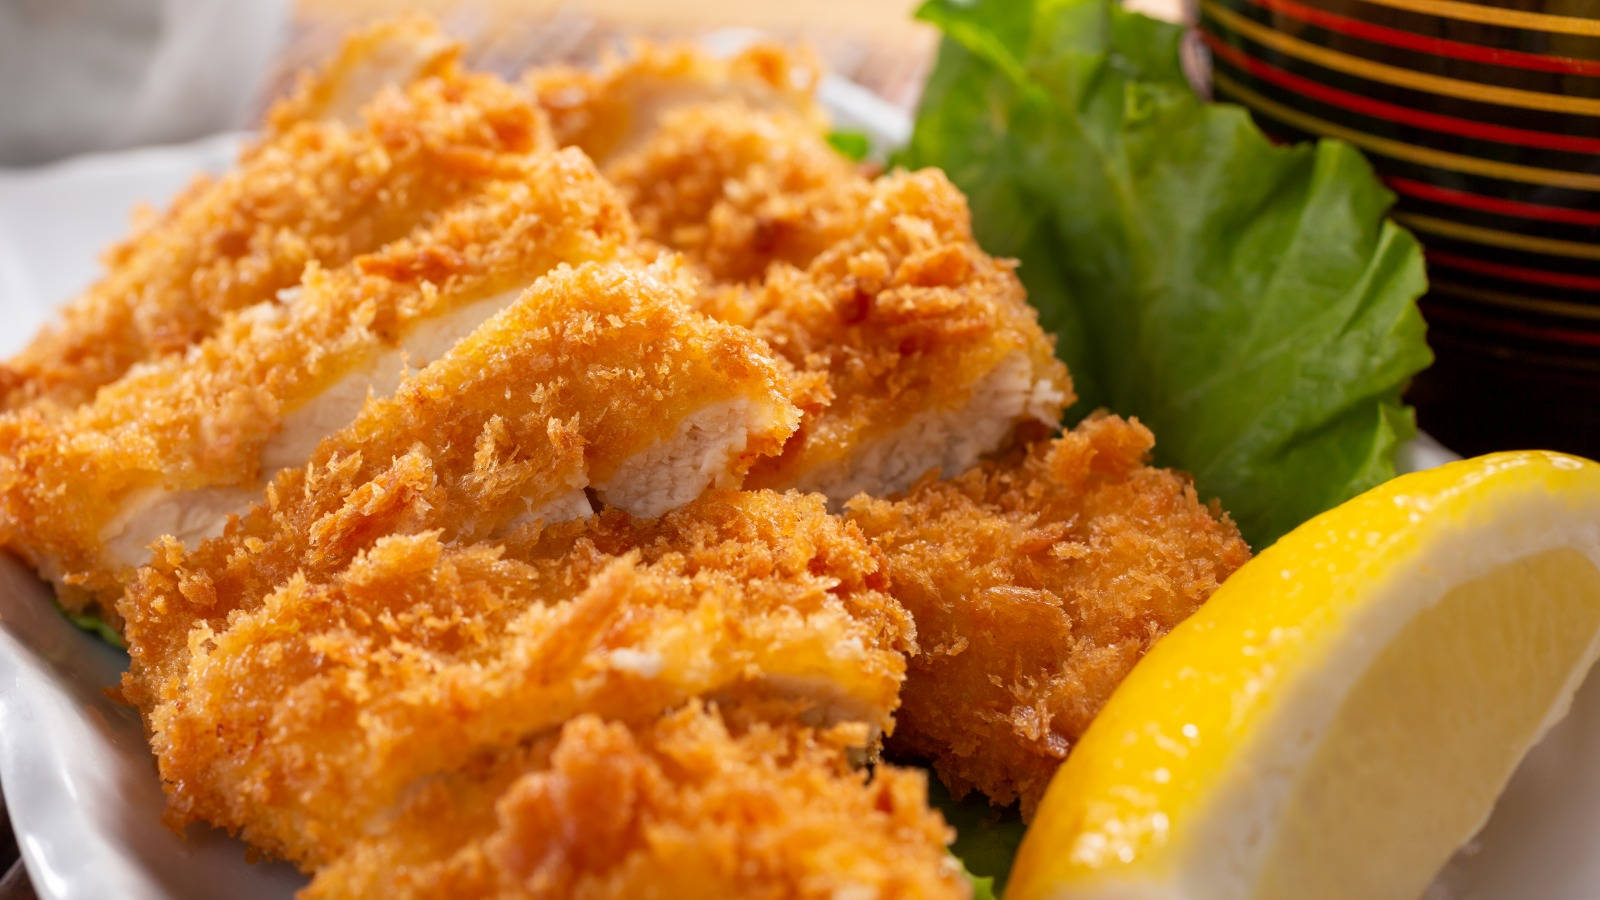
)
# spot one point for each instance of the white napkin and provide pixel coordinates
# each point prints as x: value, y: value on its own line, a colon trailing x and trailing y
x: 82, y: 75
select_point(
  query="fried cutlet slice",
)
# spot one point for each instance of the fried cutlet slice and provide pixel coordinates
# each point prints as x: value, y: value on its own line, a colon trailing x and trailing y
x: 929, y: 353
x: 610, y: 110
x: 1037, y: 583
x: 592, y: 375
x: 315, y: 190
x: 304, y: 715
x: 923, y: 350
x: 687, y: 806
x: 182, y: 442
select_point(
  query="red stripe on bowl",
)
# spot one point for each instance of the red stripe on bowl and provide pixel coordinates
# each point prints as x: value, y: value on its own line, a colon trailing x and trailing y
x: 1394, y: 37
x: 1517, y: 273
x: 1378, y: 109
x: 1424, y: 191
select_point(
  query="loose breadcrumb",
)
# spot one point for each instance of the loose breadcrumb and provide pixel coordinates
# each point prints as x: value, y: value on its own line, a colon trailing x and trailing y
x: 315, y: 191
x: 1036, y: 584
x: 685, y: 807
x: 228, y: 413
x: 301, y: 718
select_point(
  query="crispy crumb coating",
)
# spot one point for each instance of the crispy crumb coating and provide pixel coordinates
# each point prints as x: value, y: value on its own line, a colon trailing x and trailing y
x: 305, y: 715
x: 1036, y: 584
x: 205, y: 419
x: 685, y: 807
x: 921, y: 349
x: 589, y: 366
x: 609, y: 110
x: 909, y: 321
x: 317, y: 191
x: 739, y: 189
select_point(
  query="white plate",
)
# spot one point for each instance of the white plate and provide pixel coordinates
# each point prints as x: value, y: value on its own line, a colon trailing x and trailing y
x: 79, y: 780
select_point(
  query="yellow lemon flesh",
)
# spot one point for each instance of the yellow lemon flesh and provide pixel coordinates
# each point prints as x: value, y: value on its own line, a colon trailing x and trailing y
x: 1342, y: 713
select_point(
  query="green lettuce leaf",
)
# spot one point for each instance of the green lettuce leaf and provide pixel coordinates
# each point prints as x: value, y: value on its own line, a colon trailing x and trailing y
x: 987, y: 837
x: 94, y: 625
x: 852, y: 145
x: 1249, y: 302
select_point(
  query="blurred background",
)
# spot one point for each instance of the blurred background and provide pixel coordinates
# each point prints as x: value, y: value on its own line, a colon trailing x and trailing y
x: 874, y: 42
x: 85, y: 75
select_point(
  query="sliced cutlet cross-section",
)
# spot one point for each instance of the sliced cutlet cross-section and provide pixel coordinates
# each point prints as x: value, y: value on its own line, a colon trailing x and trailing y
x: 922, y: 350
x: 590, y: 370
x: 928, y: 352
x: 1037, y: 582
x: 688, y: 806
x: 181, y: 443
x: 302, y: 716
x: 314, y: 190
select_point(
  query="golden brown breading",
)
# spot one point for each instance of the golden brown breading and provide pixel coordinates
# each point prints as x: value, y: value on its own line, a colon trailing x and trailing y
x: 316, y: 191
x: 179, y: 443
x: 931, y: 353
x: 739, y: 189
x: 609, y: 110
x: 922, y: 350
x: 685, y: 807
x: 591, y: 368
x: 1036, y: 584
x: 301, y: 717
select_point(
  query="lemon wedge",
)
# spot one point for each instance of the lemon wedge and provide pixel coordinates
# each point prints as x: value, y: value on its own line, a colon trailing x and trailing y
x: 1343, y: 712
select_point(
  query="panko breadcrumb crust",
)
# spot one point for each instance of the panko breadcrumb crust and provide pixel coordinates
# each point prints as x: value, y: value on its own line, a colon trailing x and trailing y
x: 302, y: 719
x: 875, y: 288
x: 1036, y: 583
x: 311, y: 190
x: 688, y: 806
x: 737, y: 188
x: 203, y: 418
x: 903, y: 316
x: 589, y: 366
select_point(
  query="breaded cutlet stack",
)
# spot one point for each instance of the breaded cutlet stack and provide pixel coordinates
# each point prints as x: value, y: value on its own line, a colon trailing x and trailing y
x: 323, y: 185
x: 303, y: 717
x: 1037, y: 581
x: 397, y: 616
x: 180, y: 443
x: 687, y: 806
x: 922, y: 351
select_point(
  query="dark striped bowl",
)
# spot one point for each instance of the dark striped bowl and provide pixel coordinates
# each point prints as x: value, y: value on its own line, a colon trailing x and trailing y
x: 1484, y: 118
